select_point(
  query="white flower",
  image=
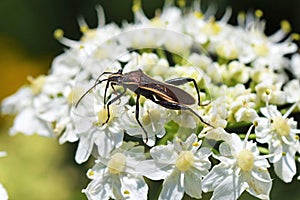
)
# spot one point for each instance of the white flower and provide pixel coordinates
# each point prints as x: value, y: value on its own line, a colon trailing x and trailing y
x: 240, y: 168
x: 280, y: 133
x: 292, y: 90
x: 152, y: 117
x: 3, y: 193
x: 92, y: 129
x: 182, y: 166
x: 115, y: 176
x: 235, y: 72
x: 271, y: 92
x: 295, y: 65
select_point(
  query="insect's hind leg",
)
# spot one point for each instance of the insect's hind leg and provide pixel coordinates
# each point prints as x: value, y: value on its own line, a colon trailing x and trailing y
x: 181, y: 81
x: 137, y: 111
x: 175, y: 106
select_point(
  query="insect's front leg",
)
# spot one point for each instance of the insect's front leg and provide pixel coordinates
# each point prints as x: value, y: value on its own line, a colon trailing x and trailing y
x: 112, y: 101
x: 137, y: 111
x: 115, y: 91
x: 181, y: 81
x: 105, y: 91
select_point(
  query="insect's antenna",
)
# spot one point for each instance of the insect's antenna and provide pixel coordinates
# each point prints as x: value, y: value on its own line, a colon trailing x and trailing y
x: 98, y: 78
x: 96, y: 83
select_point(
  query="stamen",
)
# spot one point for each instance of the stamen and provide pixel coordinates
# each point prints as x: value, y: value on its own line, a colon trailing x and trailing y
x: 290, y: 110
x: 259, y: 13
x: 137, y: 5
x: 285, y: 26
x: 247, y: 136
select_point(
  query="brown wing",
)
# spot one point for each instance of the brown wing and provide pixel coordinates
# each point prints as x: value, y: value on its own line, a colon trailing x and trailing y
x: 169, y: 92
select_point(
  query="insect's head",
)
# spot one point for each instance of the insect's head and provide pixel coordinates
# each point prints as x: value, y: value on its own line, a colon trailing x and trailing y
x: 113, y: 78
x: 117, y: 77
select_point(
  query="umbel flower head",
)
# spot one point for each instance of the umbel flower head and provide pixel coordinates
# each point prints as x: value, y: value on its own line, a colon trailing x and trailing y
x: 203, y: 79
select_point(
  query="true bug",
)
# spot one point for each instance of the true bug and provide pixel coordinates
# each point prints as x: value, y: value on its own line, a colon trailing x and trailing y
x: 165, y: 94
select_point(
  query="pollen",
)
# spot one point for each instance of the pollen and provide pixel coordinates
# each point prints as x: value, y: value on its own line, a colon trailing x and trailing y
x: 196, y: 144
x: 198, y: 14
x: 58, y: 34
x: 267, y: 91
x: 91, y: 173
x: 245, y: 160
x: 136, y: 5
x: 280, y: 126
x: 126, y: 192
x: 84, y: 29
x: 295, y: 36
x: 283, y: 153
x: 259, y: 13
x: 211, y: 28
x: 116, y: 164
x: 285, y: 26
x: 185, y: 161
x: 36, y: 84
x: 182, y: 3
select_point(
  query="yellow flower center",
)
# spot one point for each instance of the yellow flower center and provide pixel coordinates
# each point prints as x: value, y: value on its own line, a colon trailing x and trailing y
x: 280, y: 126
x: 74, y: 96
x: 245, y: 160
x: 211, y: 28
x: 116, y: 164
x: 185, y: 161
x: 37, y: 84
x: 261, y: 49
x: 151, y: 116
x: 227, y: 50
x: 102, y: 116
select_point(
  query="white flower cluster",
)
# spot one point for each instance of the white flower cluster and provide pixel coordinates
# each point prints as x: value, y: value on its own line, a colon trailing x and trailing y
x: 3, y: 192
x: 250, y: 84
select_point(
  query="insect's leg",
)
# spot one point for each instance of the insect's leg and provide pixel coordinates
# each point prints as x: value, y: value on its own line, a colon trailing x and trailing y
x: 181, y: 81
x: 112, y: 101
x: 105, y: 92
x: 175, y: 106
x: 137, y: 111
x: 115, y: 91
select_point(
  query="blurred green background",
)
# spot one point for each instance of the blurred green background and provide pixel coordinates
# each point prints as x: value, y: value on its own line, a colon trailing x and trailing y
x: 39, y: 168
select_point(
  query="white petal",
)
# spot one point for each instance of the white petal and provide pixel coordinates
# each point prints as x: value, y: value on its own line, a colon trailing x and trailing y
x: 164, y: 154
x: 84, y: 148
x: 214, y: 178
x: 285, y: 168
x: 172, y: 189
x: 270, y: 111
x: 27, y: 123
x: 260, y: 184
x: 134, y: 188
x: 104, y: 142
x: 227, y: 187
x: 193, y: 184
x: 152, y: 171
x: 13, y: 105
x: 98, y: 189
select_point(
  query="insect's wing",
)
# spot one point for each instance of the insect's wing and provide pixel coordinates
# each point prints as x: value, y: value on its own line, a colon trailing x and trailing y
x: 169, y: 92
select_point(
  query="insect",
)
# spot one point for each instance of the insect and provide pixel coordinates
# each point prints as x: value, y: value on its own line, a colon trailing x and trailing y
x: 165, y: 93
